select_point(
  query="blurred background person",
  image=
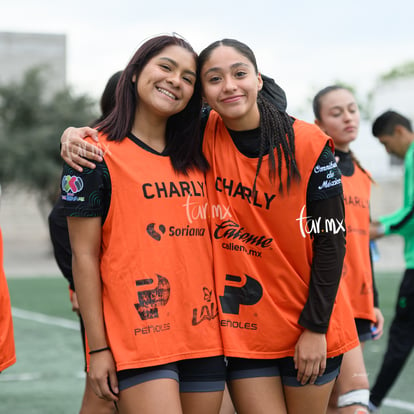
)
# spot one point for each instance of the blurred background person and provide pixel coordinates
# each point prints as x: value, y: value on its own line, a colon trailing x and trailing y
x: 395, y: 132
x: 337, y: 114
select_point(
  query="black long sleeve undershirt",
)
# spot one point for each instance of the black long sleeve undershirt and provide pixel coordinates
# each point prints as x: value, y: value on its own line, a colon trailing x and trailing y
x: 328, y: 248
x: 328, y: 256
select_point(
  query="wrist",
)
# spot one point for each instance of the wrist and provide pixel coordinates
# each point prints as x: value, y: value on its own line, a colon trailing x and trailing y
x: 96, y: 351
x: 380, y: 229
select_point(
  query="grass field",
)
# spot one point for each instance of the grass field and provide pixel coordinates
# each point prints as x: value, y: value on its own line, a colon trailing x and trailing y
x: 48, y: 376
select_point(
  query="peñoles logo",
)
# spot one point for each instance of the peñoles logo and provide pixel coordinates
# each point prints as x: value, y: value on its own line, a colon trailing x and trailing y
x: 151, y: 296
x: 236, y: 293
x: 229, y: 229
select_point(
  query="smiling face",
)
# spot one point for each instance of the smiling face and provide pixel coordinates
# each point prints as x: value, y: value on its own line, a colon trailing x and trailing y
x: 339, y: 117
x: 166, y: 83
x: 230, y: 86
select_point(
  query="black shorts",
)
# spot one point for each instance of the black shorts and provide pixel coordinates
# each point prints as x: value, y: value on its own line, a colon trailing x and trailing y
x: 363, y: 327
x: 194, y: 375
x: 239, y: 368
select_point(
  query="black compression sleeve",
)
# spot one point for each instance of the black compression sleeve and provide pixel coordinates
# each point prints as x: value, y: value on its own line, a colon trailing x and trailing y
x: 328, y: 256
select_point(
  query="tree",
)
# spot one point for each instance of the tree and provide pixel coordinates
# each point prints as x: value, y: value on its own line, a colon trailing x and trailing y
x: 405, y: 70
x: 30, y: 127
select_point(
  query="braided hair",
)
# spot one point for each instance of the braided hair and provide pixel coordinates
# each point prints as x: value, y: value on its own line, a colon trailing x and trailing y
x: 276, y: 130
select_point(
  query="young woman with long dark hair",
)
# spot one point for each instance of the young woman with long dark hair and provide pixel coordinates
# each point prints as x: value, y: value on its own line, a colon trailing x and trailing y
x: 142, y: 260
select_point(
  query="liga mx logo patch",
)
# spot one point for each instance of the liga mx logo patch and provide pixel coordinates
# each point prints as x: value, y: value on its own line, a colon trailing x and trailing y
x: 72, y: 184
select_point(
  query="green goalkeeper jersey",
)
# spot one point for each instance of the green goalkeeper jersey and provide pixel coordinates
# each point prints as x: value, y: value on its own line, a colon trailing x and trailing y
x: 402, y: 221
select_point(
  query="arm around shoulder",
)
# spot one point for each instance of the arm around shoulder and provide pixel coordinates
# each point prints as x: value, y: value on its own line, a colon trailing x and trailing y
x: 77, y: 152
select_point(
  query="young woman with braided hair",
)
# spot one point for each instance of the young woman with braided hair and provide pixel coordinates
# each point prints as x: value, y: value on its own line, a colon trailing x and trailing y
x: 278, y: 239
x: 337, y: 114
x: 278, y: 245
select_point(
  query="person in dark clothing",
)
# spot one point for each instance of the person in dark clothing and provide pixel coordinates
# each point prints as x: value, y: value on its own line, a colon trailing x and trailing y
x: 59, y: 235
x: 395, y: 132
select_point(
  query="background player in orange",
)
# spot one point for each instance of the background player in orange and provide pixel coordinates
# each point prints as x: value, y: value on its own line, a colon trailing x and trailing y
x: 59, y: 235
x: 277, y: 270
x: 7, y: 350
x: 337, y: 114
x: 142, y: 259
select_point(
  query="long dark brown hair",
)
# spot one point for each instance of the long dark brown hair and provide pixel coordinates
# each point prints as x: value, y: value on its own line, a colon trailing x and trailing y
x: 107, y: 101
x: 183, y: 129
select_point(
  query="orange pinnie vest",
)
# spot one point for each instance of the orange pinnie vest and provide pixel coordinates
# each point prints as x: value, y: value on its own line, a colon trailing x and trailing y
x: 7, y: 350
x: 156, y: 266
x: 357, y: 270
x: 262, y: 249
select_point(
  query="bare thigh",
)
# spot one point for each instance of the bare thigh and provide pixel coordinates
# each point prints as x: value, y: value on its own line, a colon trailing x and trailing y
x: 201, y: 402
x: 159, y: 396
x: 227, y: 406
x: 309, y: 399
x: 262, y: 395
x: 92, y: 404
x: 353, y: 375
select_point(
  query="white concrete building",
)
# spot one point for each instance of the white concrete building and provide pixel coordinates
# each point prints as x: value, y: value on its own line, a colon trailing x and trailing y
x: 22, y: 51
x: 395, y: 94
x: 27, y: 249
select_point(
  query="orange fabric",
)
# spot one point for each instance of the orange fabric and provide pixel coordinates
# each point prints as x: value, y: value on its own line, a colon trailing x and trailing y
x: 158, y: 287
x: 7, y: 350
x: 262, y: 260
x: 71, y: 292
x: 357, y: 271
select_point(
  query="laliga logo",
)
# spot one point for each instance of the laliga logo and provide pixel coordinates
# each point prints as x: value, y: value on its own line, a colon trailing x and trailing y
x: 72, y: 184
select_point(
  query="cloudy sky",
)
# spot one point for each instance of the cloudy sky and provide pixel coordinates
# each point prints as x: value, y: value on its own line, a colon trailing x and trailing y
x: 303, y: 44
